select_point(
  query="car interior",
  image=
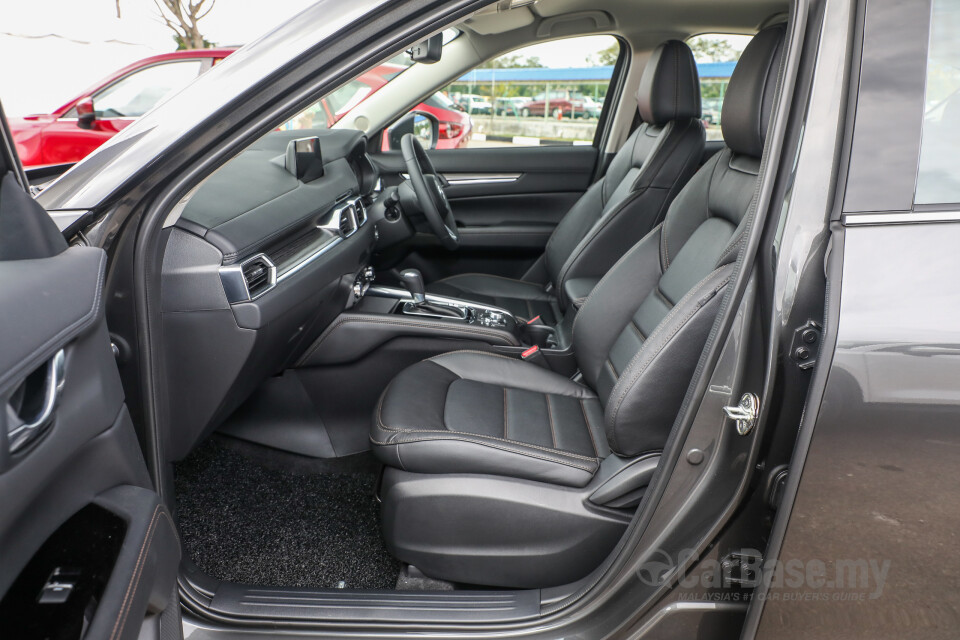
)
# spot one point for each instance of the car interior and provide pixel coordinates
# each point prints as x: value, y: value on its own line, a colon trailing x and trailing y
x: 391, y: 374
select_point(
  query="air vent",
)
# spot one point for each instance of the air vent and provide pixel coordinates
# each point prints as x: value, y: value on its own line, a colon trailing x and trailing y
x: 259, y: 274
x: 361, y: 213
x: 348, y: 221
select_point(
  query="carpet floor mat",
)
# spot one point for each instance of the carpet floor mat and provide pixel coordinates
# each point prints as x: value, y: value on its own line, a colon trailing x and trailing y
x: 257, y: 521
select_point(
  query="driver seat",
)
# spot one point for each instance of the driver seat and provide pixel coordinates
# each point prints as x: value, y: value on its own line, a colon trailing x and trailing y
x: 616, y: 211
x: 501, y: 472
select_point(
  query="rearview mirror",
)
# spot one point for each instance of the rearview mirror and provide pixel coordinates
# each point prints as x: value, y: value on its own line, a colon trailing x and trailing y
x: 86, y: 115
x: 428, y: 51
x: 424, y: 126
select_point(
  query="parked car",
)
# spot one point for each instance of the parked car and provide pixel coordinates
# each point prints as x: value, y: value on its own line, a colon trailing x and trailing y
x: 711, y: 108
x: 473, y: 103
x: 569, y: 104
x: 85, y: 122
x: 261, y: 383
x: 510, y: 106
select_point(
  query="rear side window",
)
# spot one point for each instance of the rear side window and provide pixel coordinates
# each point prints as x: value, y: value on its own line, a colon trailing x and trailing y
x: 938, y: 175
x: 716, y: 55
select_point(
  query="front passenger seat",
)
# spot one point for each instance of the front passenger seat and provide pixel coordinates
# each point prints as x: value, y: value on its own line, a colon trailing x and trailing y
x: 620, y: 208
x: 501, y: 472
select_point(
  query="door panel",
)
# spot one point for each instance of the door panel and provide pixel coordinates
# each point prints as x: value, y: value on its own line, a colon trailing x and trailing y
x: 86, y: 545
x: 507, y: 203
x: 87, y: 454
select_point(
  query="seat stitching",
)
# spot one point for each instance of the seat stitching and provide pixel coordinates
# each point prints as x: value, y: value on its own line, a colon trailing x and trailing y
x: 553, y: 434
x: 479, y: 353
x: 503, y: 357
x: 492, y: 446
x: 586, y: 420
x: 633, y: 323
x: 649, y: 357
x: 662, y: 295
x: 505, y: 414
x: 401, y: 430
x: 613, y: 369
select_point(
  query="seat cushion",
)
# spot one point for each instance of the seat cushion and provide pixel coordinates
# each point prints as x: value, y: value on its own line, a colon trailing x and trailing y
x: 524, y: 300
x: 482, y: 413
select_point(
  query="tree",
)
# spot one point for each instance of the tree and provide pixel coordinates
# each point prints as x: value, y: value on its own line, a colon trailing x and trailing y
x: 605, y: 57
x: 182, y: 17
x: 706, y: 49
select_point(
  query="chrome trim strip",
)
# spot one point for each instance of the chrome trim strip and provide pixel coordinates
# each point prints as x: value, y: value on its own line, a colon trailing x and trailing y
x: 462, y: 179
x: 906, y: 217
x: 457, y: 179
x: 403, y: 295
x: 231, y: 276
x: 27, y: 432
x: 310, y: 258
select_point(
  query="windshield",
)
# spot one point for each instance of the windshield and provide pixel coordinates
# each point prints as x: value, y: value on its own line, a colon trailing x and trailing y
x: 330, y: 109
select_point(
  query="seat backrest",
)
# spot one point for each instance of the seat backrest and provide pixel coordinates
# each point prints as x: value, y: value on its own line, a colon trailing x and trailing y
x: 639, y: 335
x: 644, y: 175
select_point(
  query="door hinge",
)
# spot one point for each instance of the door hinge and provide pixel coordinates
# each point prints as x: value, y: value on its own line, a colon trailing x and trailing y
x: 806, y: 344
x: 742, y: 568
x: 745, y: 413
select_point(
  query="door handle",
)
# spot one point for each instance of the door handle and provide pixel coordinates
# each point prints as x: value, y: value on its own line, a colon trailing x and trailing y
x: 25, y: 433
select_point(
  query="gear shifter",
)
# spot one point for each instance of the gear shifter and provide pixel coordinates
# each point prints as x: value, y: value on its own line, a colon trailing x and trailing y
x: 412, y: 281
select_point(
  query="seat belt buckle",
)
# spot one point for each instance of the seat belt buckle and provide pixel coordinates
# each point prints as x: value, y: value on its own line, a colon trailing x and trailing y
x: 535, y: 356
x: 535, y: 320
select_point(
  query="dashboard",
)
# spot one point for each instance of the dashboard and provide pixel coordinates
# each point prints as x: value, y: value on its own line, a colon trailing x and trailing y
x: 257, y: 264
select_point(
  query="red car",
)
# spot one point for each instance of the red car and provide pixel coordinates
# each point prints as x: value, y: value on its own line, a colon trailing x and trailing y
x: 455, y: 124
x: 569, y: 104
x: 84, y: 123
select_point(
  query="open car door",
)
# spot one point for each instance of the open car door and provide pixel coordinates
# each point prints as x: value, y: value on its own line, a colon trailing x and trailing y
x: 88, y: 549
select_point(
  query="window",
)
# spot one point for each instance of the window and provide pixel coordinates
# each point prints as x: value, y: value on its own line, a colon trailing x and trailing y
x: 139, y: 92
x: 938, y: 175
x: 333, y: 107
x: 716, y: 55
x: 547, y: 93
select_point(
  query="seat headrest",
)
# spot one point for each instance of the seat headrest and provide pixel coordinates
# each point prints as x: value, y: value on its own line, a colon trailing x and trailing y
x: 669, y: 87
x: 749, y: 96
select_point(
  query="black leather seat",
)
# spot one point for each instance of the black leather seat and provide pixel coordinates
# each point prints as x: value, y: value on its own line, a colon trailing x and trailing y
x: 619, y: 209
x: 461, y: 418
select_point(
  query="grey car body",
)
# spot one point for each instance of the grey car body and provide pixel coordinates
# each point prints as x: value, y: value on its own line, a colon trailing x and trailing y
x: 851, y: 307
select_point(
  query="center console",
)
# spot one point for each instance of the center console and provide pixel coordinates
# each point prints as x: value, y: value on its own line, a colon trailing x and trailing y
x: 412, y: 306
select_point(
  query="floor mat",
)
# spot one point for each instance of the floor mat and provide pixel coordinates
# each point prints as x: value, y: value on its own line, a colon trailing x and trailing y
x: 247, y: 521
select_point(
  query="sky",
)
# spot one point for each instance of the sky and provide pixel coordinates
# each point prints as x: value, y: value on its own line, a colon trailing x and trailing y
x: 68, y: 45
x: 64, y: 46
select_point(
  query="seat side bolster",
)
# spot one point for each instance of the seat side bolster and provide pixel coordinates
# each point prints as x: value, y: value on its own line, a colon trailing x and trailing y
x: 646, y: 399
x: 612, y: 303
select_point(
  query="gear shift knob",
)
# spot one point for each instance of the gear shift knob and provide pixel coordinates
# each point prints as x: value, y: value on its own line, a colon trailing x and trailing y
x: 413, y: 282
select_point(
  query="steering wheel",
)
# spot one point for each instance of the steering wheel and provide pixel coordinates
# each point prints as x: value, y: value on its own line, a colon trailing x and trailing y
x: 428, y: 187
